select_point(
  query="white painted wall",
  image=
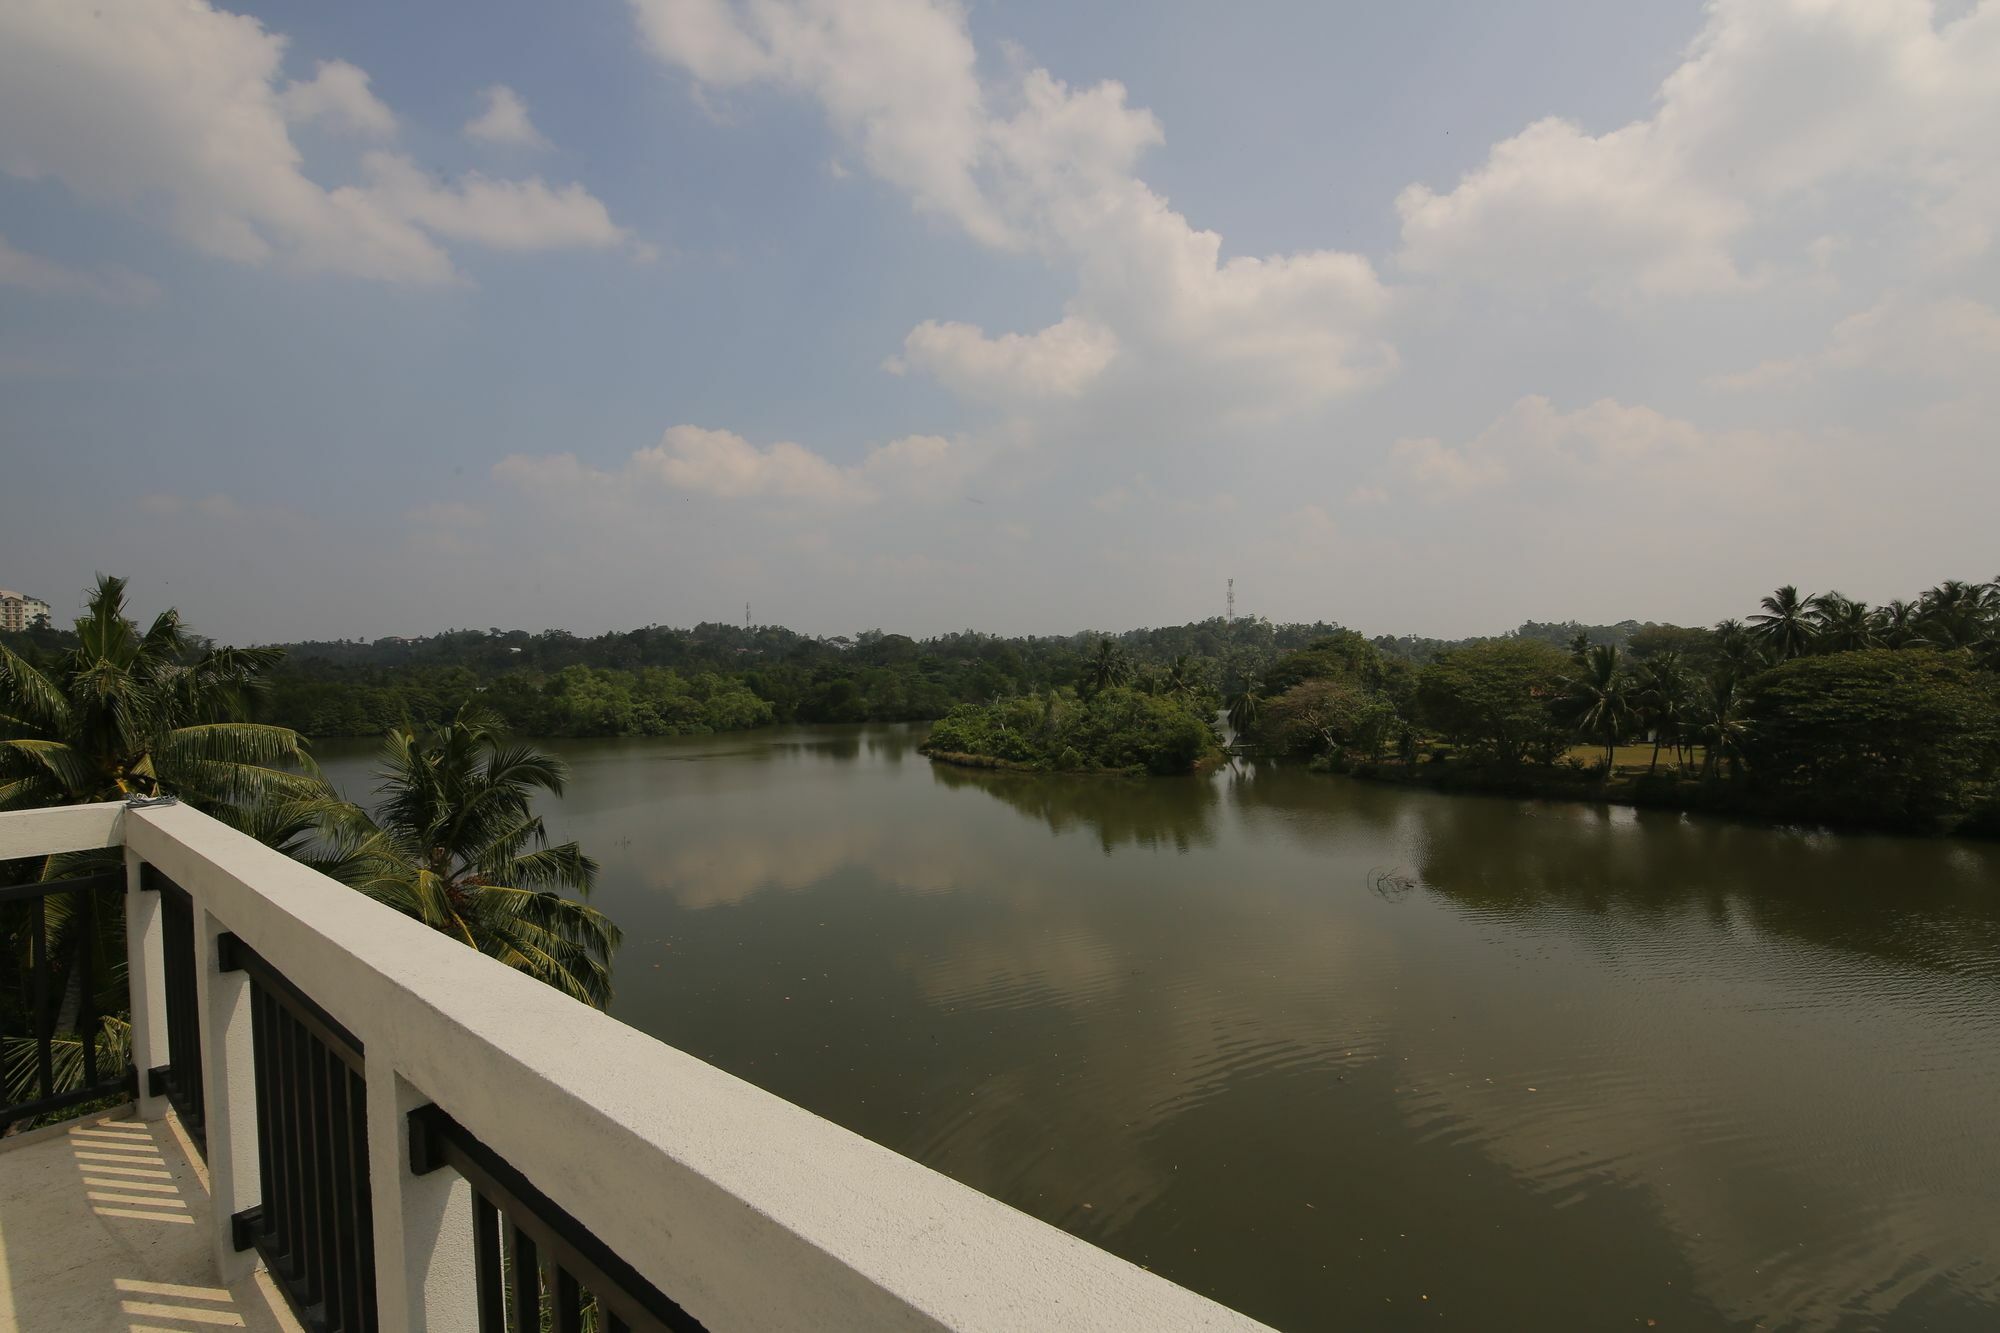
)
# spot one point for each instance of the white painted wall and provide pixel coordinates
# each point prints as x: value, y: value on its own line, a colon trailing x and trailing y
x: 749, y: 1211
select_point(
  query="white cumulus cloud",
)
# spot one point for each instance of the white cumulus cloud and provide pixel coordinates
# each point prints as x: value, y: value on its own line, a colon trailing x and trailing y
x: 725, y: 465
x: 338, y: 96
x: 1535, y: 443
x: 502, y: 214
x: 505, y: 120
x: 34, y: 273
x: 1946, y: 338
x: 172, y: 109
x: 1029, y: 162
x: 1058, y: 362
x: 1779, y: 106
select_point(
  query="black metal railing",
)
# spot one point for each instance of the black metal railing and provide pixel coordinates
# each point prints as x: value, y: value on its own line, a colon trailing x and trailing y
x: 535, y: 1267
x: 56, y: 1065
x: 179, y: 1080
x: 314, y: 1226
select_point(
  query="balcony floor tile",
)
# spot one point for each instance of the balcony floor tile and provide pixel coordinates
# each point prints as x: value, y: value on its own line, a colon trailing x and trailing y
x: 104, y: 1225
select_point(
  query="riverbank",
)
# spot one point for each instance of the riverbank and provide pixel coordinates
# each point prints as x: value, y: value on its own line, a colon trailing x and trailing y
x: 960, y: 759
x: 1664, y: 790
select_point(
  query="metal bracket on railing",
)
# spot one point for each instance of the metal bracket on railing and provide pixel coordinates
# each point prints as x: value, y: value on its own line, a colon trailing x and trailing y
x: 426, y: 1153
x: 243, y: 1228
x: 150, y: 802
x: 226, y: 958
x: 156, y: 1080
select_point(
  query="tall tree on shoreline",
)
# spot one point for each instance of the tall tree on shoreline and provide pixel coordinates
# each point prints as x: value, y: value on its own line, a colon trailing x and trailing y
x: 1600, y: 700
x: 1716, y: 720
x: 1661, y: 695
x: 1108, y: 666
x: 457, y: 845
x: 1243, y: 707
x: 1785, y: 625
x: 1840, y: 624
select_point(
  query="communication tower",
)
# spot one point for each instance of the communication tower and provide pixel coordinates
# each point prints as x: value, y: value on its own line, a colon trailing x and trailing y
x: 1229, y: 608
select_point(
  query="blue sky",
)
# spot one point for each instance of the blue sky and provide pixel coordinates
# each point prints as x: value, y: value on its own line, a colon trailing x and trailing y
x: 368, y: 319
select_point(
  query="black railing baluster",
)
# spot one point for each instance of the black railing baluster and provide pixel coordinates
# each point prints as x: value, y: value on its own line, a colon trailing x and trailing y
x: 527, y: 1281
x: 488, y: 1286
x: 568, y: 1302
x: 45, y: 1021
x: 182, y: 1072
x: 293, y: 1138
x: 261, y: 1058
x: 340, y: 1278
x: 320, y: 1234
x: 364, y: 1214
x: 86, y: 1022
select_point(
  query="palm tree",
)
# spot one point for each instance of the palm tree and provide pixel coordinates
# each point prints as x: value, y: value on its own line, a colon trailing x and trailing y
x: 1957, y: 614
x: 1661, y: 696
x: 1107, y: 666
x: 1896, y: 623
x: 1841, y: 624
x: 1244, y: 705
x: 123, y: 714
x: 1741, y: 654
x: 456, y: 845
x: 131, y: 714
x: 1599, y: 699
x: 1785, y: 626
x: 1181, y: 679
x: 1718, y: 721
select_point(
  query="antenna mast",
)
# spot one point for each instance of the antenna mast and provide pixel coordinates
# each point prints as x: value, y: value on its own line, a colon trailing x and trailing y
x: 746, y: 615
x: 1229, y: 613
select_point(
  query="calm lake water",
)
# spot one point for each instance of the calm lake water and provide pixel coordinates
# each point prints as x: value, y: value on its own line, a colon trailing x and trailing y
x: 1343, y: 1056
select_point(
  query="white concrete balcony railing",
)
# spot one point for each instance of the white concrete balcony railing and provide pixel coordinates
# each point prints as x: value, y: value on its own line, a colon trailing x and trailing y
x: 592, y: 1154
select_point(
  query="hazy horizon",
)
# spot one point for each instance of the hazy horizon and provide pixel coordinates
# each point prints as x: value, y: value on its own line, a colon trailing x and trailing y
x: 144, y: 607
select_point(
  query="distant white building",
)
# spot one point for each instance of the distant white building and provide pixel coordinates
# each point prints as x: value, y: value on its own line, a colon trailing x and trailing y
x: 18, y: 611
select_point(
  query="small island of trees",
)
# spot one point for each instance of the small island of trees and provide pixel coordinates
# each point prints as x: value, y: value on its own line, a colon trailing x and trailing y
x: 1103, y: 725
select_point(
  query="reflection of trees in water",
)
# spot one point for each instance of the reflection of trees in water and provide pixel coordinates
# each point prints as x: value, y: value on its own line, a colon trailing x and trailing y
x: 891, y: 742
x: 1930, y: 902
x: 1319, y: 810
x: 1142, y: 812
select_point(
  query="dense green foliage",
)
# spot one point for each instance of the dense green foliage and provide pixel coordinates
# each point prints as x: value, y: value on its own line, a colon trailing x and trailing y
x: 1908, y: 737
x: 662, y: 681
x: 1815, y: 708
x: 1113, y: 728
x: 1494, y: 699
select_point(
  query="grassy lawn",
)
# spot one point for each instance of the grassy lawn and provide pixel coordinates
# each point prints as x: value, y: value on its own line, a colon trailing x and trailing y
x: 1631, y: 758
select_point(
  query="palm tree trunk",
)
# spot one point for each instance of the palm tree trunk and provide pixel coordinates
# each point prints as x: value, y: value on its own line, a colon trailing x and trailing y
x: 1654, y: 767
x: 72, y: 1001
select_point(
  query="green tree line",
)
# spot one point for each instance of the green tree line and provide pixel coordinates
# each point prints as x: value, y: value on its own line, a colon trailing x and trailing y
x: 1811, y: 708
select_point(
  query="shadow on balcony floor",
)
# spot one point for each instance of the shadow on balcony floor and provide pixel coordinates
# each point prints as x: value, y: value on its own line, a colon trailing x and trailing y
x: 104, y: 1225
